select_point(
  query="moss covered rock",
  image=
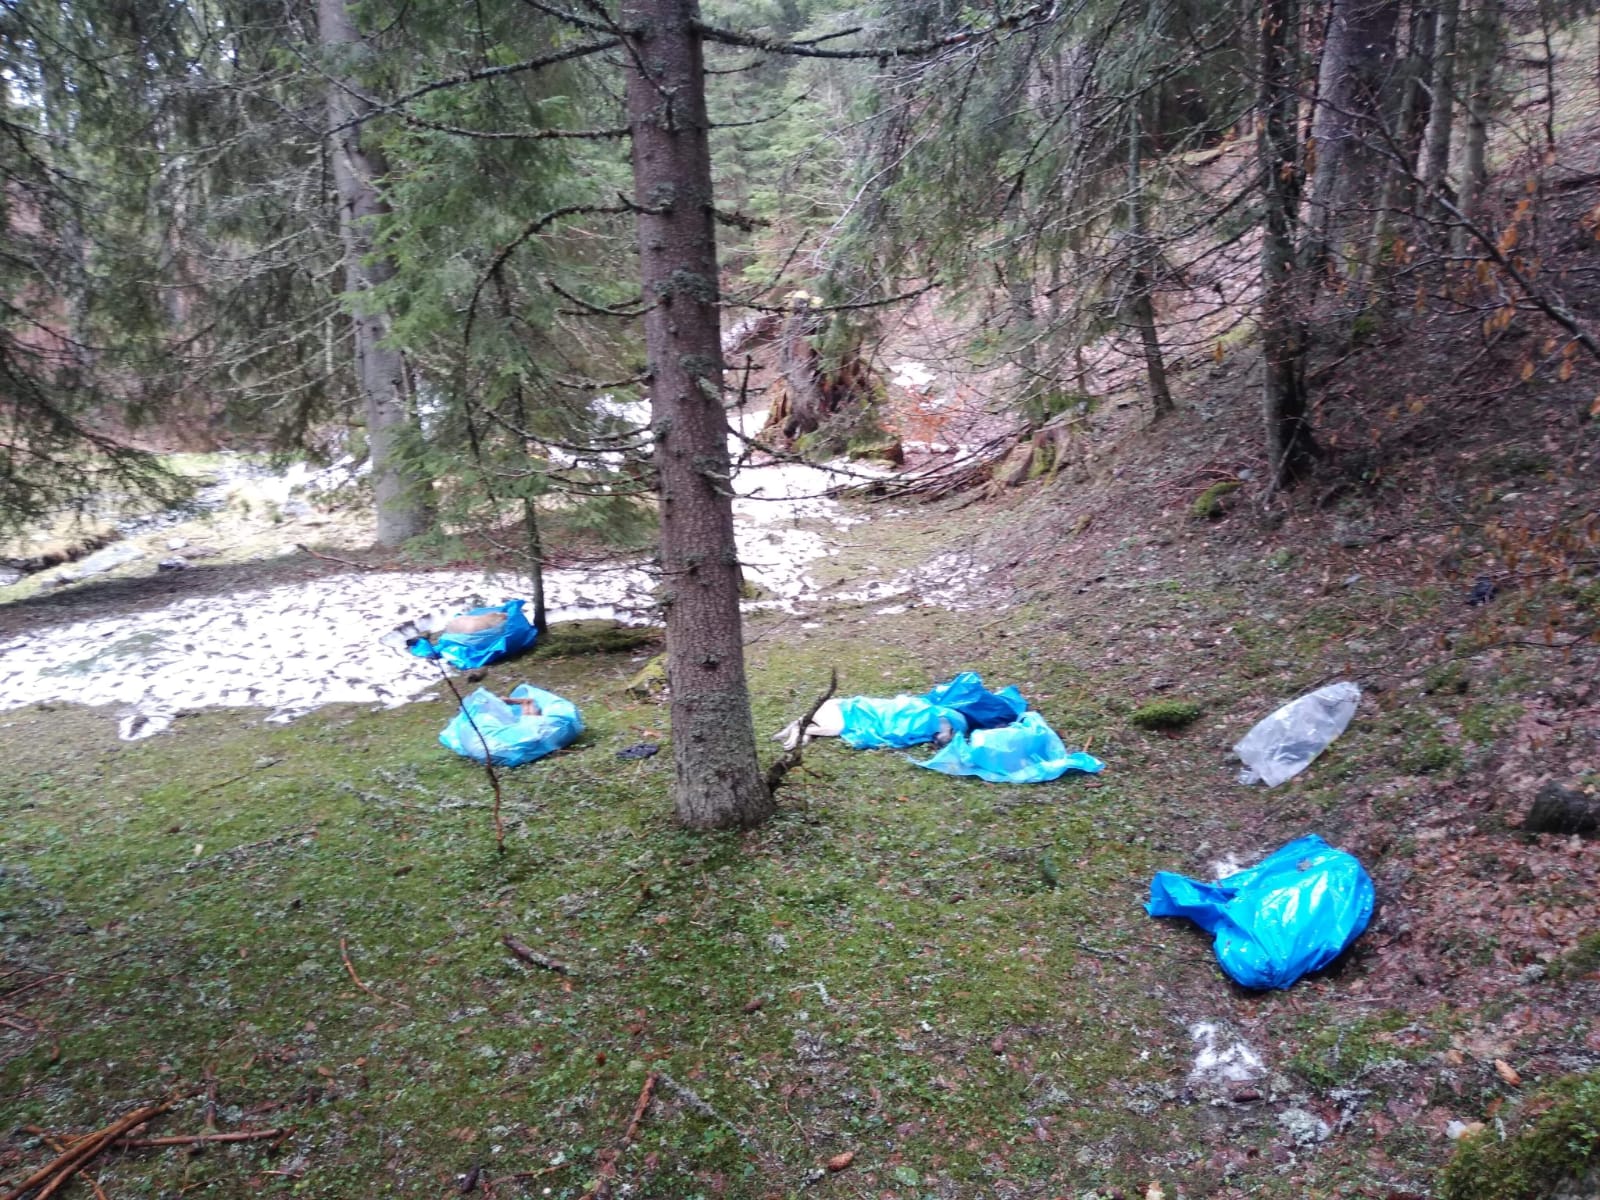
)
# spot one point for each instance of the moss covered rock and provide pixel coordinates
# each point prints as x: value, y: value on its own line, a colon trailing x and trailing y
x: 1166, y: 714
x: 651, y: 679
x: 1212, y: 502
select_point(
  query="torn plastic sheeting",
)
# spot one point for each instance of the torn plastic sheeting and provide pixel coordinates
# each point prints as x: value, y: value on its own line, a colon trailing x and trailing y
x: 1285, y: 743
x: 1292, y: 913
x: 982, y: 708
x: 468, y: 649
x: 1025, y: 751
x: 871, y: 722
x: 962, y: 703
x: 513, y: 738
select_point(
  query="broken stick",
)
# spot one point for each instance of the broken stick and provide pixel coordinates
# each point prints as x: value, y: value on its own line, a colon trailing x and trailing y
x: 532, y: 957
x: 344, y: 953
x: 608, y: 1164
x: 790, y: 759
x: 55, y: 1174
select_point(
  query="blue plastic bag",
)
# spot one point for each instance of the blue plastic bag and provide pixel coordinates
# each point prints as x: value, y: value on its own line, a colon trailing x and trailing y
x: 898, y: 721
x: 1025, y: 751
x: 1293, y: 912
x: 468, y: 651
x: 512, y: 738
x: 982, y: 708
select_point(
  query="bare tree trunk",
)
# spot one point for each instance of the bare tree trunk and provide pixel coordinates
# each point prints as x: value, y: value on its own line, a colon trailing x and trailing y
x: 1290, y: 445
x: 1357, y: 57
x: 1409, y: 127
x: 401, y: 493
x: 1142, y: 308
x: 1441, y: 118
x: 530, y: 523
x: 718, y: 782
x: 1484, y: 48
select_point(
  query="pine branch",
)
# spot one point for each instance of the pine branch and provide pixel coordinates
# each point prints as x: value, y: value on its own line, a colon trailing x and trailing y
x: 1037, y: 14
x: 582, y: 50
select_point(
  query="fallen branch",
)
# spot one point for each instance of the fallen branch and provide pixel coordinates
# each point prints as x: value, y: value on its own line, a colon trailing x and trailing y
x: 608, y: 1165
x: 334, y: 558
x: 532, y: 957
x: 790, y: 759
x: 201, y: 1139
x: 344, y: 953
x: 54, y: 1175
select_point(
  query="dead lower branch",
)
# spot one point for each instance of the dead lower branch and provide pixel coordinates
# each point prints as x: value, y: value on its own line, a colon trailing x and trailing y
x: 533, y: 958
x: 790, y: 759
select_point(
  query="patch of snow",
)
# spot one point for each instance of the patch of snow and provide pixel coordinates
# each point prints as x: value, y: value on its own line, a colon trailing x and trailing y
x: 1221, y: 1058
x: 1228, y: 864
x: 912, y: 375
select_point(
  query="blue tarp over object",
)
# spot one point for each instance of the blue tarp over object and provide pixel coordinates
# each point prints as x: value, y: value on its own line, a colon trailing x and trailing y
x: 468, y: 651
x: 982, y: 708
x: 1293, y: 912
x: 1025, y: 751
x: 513, y: 739
x: 899, y: 721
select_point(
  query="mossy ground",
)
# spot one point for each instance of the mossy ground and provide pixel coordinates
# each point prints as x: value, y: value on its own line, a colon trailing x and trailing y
x: 932, y: 996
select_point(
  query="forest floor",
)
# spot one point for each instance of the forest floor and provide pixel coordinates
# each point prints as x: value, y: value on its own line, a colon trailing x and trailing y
x: 299, y: 927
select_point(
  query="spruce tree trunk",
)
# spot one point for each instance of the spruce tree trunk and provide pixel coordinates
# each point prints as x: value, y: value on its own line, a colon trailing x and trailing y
x: 1442, y: 105
x: 1290, y: 445
x: 1143, y: 309
x: 717, y: 780
x: 401, y: 493
x: 1357, y: 57
x: 1484, y: 49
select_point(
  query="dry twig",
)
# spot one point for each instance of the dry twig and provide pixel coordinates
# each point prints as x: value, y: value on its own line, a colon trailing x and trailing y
x: 344, y: 953
x: 54, y: 1175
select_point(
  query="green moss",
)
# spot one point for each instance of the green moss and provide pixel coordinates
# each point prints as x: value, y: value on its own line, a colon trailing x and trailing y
x: 1210, y: 504
x: 1583, y: 959
x: 1166, y: 714
x: 596, y: 637
x: 1559, y: 1145
x: 650, y: 680
x: 1448, y: 677
x: 1337, y: 1055
x: 1429, y: 755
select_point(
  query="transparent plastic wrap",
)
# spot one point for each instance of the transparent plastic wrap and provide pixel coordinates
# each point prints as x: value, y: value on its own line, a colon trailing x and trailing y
x: 1287, y: 742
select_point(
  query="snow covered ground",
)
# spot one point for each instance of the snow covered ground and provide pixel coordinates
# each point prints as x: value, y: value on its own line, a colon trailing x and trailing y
x: 294, y: 647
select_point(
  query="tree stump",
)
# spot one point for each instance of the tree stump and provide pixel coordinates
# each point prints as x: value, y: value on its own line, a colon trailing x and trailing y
x: 1558, y: 809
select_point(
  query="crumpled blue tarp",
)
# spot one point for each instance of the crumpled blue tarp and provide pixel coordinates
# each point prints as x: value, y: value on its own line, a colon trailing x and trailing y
x: 871, y: 722
x: 1293, y: 912
x: 1025, y: 751
x: 982, y: 708
x: 468, y: 651
x: 513, y: 738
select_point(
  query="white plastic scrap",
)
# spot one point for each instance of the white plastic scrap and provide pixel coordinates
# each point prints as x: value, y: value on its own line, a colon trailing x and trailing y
x: 1285, y: 743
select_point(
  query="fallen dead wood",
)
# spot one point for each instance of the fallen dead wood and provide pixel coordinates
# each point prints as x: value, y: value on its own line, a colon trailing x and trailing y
x: 533, y: 958
x: 334, y: 558
x: 609, y: 1159
x: 344, y: 953
x: 202, y: 1139
x: 54, y: 1175
x: 790, y: 759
